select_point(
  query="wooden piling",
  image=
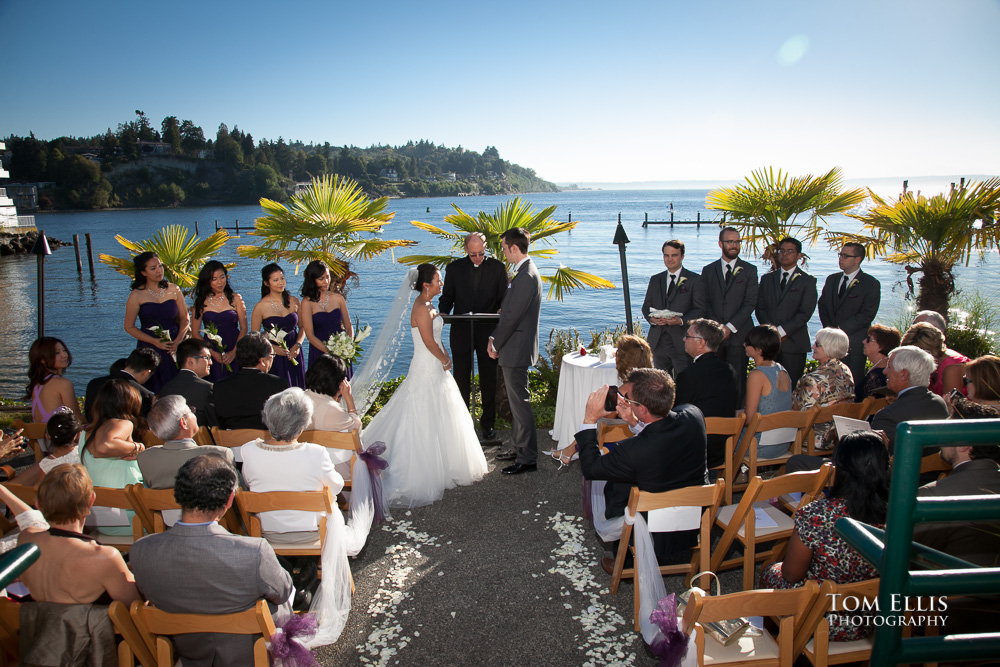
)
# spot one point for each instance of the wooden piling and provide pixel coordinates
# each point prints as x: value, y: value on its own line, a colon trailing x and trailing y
x: 90, y: 254
x: 196, y: 232
x: 76, y: 247
x: 216, y: 225
x: 237, y: 227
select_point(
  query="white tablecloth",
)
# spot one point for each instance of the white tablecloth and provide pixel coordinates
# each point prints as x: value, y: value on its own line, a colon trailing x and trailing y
x: 577, y: 378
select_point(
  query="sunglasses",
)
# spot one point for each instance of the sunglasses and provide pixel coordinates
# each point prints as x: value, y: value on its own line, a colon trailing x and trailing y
x: 625, y: 398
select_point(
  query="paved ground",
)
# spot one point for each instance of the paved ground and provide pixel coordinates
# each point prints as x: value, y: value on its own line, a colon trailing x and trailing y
x: 503, y: 572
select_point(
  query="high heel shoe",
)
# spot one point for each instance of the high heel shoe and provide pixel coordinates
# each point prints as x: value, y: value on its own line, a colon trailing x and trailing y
x: 563, y: 459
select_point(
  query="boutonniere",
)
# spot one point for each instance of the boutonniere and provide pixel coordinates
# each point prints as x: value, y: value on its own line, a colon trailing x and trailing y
x: 737, y: 271
x: 795, y: 276
x: 681, y: 281
x: 853, y: 283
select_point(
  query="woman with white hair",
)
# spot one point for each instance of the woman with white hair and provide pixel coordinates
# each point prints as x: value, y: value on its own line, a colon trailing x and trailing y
x: 831, y: 382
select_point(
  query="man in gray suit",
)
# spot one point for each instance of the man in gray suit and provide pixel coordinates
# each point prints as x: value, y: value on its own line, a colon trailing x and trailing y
x: 731, y: 289
x: 198, y: 567
x: 677, y: 290
x: 908, y: 373
x: 515, y: 343
x: 787, y: 299
x: 849, y: 302
x: 175, y: 423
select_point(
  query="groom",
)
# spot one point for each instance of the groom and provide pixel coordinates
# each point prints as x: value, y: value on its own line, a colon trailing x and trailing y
x: 515, y: 343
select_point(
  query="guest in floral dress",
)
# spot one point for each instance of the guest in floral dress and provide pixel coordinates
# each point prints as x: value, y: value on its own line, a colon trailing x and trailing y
x: 860, y: 491
x: 831, y: 382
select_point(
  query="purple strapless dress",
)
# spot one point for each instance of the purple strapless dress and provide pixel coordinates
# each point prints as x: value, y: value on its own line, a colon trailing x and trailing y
x: 228, y: 324
x: 282, y: 366
x: 325, y: 324
x: 152, y: 314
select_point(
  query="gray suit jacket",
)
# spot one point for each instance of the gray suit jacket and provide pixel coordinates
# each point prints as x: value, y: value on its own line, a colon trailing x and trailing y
x: 159, y: 465
x: 976, y: 542
x: 516, y: 335
x: 791, y: 308
x: 856, y: 311
x: 687, y: 298
x: 207, y: 570
x: 733, y: 305
x: 914, y: 404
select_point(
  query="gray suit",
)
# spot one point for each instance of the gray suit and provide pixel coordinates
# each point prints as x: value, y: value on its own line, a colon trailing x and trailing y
x: 206, y: 570
x: 688, y: 298
x: 159, y: 465
x: 791, y: 309
x: 732, y: 305
x: 853, y: 314
x: 516, y: 341
x: 913, y: 404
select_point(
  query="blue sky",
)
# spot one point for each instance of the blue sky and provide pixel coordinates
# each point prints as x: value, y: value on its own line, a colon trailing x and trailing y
x: 579, y: 91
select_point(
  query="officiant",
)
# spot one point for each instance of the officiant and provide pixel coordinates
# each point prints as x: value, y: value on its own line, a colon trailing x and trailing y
x: 475, y: 284
x: 673, y: 297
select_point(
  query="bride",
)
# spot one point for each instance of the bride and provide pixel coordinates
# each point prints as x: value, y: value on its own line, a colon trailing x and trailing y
x: 430, y: 438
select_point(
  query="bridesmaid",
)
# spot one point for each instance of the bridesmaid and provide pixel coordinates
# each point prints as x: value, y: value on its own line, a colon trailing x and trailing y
x: 216, y: 303
x: 47, y: 389
x: 323, y: 312
x: 156, y: 303
x: 279, y: 308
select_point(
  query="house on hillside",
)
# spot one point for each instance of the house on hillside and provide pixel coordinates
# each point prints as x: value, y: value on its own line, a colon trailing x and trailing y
x: 390, y: 175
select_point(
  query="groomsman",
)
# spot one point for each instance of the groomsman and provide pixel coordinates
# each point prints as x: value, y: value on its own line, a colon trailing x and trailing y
x: 850, y: 301
x: 675, y: 289
x: 731, y: 289
x: 787, y: 299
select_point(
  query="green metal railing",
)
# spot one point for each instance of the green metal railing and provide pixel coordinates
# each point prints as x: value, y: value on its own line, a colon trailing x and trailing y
x: 936, y: 574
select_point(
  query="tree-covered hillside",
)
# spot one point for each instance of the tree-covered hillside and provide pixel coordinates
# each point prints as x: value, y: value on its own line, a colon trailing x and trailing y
x: 138, y: 165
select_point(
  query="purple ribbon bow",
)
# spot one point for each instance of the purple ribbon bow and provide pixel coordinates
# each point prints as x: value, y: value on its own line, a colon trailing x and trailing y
x: 376, y: 464
x: 670, y: 645
x: 286, y: 645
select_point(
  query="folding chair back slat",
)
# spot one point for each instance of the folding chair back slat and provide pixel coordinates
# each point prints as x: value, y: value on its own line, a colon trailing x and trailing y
x: 33, y: 432
x: 611, y: 433
x: 731, y: 427
x: 812, y: 636
x: 133, y: 647
x: 115, y: 499
x: 827, y: 413
x: 800, y: 420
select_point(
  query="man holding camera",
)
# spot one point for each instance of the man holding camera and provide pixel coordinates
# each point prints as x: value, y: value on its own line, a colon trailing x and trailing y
x: 669, y: 453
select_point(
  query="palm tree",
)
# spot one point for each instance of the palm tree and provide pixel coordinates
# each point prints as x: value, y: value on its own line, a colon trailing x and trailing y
x: 930, y: 236
x: 765, y: 209
x: 325, y: 222
x: 510, y: 214
x: 182, y: 255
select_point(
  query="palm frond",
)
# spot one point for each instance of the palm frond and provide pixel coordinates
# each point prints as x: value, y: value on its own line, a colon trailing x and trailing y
x: 181, y: 253
x: 565, y: 280
x: 439, y: 261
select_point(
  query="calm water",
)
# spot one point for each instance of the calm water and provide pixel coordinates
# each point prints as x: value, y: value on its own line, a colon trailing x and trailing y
x: 88, y: 315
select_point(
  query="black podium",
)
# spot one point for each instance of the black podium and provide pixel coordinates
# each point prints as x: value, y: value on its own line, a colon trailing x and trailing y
x: 472, y: 318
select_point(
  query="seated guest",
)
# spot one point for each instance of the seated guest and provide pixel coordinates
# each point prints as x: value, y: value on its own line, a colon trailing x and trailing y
x: 769, y: 388
x: 173, y: 422
x: 112, y: 447
x: 829, y: 383
x: 73, y: 568
x: 631, y: 352
x: 947, y: 376
x: 933, y: 318
x: 139, y: 367
x: 880, y: 342
x: 194, y: 360
x: 198, y: 567
x: 709, y: 382
x: 282, y: 463
x: 908, y: 373
x: 63, y: 430
x: 668, y: 454
x: 326, y: 386
x: 240, y: 397
x: 47, y: 389
x: 982, y: 380
x: 860, y: 491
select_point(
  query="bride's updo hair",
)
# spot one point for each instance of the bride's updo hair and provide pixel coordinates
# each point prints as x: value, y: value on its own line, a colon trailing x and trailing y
x: 425, y: 275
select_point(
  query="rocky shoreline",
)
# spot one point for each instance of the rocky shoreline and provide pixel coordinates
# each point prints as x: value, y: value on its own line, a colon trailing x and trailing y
x: 22, y: 243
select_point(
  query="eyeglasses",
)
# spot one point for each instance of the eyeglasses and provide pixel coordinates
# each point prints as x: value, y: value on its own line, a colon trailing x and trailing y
x: 845, y: 255
x: 868, y: 339
x: 787, y: 251
x: 202, y: 356
x: 966, y: 381
x: 625, y: 398
x: 816, y: 344
x: 693, y: 338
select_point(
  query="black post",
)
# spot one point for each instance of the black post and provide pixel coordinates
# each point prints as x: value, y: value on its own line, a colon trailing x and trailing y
x: 216, y: 225
x: 76, y: 247
x: 621, y: 239
x: 238, y: 229
x: 90, y: 254
x: 40, y: 250
x: 196, y: 232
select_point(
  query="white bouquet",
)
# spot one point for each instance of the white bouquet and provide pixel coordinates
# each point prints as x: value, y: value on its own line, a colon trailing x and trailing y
x: 348, y: 347
x: 211, y: 332
x: 277, y: 337
x: 160, y: 333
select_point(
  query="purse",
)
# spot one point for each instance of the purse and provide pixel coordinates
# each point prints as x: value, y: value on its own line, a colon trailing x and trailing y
x: 725, y: 632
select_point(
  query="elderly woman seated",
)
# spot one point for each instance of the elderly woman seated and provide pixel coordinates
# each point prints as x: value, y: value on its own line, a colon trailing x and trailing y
x: 831, y: 382
x: 282, y: 463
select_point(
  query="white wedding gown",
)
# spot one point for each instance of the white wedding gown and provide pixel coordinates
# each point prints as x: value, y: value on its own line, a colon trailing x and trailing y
x: 430, y: 438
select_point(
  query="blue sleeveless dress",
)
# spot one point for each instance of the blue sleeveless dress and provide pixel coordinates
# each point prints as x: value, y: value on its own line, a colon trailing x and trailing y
x: 228, y: 324
x: 152, y: 314
x: 282, y: 366
x: 325, y: 324
x: 776, y: 401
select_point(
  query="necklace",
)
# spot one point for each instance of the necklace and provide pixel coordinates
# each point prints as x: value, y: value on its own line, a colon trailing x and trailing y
x: 156, y: 295
x: 216, y: 300
x: 277, y: 306
x: 325, y: 302
x: 880, y: 362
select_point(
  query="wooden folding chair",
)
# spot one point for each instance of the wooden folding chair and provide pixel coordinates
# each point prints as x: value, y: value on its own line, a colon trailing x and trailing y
x: 236, y: 438
x: 764, y: 650
x: 27, y: 495
x: 812, y: 637
x: 156, y: 626
x: 251, y: 504
x: 204, y: 436
x: 708, y: 498
x: 33, y: 432
x: 739, y: 522
x: 826, y: 414
x: 934, y: 463
x: 149, y: 505
x: 349, y: 440
x: 132, y: 647
x: 876, y: 405
x: 10, y: 626
x: 150, y: 439
x: 611, y: 433
x: 731, y: 427
x: 115, y: 499
x: 800, y: 420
